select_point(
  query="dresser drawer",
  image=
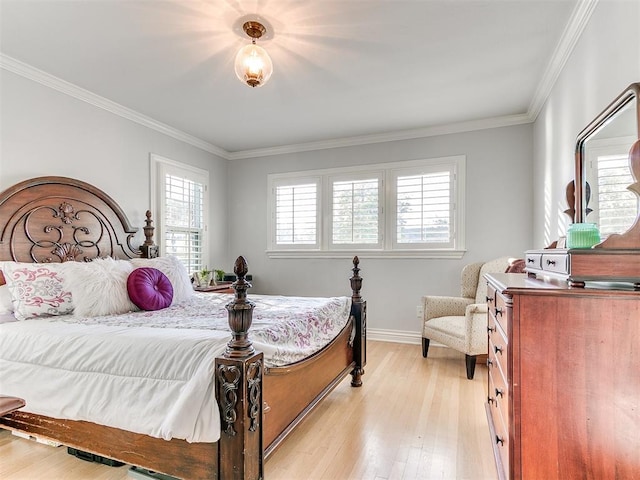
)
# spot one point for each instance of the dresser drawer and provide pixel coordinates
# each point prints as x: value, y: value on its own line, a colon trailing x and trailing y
x: 500, y: 312
x: 556, y: 263
x: 533, y: 260
x: 498, y: 354
x: 501, y: 437
x: 499, y: 394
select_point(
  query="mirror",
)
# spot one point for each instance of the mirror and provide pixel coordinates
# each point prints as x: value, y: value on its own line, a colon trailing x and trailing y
x: 603, y: 163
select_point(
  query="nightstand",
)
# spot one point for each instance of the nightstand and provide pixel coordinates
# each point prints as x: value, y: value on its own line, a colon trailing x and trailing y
x: 221, y: 287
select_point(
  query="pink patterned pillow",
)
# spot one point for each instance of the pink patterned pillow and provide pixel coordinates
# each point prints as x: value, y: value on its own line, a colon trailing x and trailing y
x: 149, y: 289
x: 37, y: 289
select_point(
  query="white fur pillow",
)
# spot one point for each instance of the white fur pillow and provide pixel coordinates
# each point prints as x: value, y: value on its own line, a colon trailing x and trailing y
x: 99, y: 287
x: 175, y: 272
x: 6, y: 307
x: 37, y: 289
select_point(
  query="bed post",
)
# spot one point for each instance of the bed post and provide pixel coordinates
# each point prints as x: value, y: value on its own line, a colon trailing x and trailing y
x: 148, y: 248
x: 359, y: 313
x: 239, y: 391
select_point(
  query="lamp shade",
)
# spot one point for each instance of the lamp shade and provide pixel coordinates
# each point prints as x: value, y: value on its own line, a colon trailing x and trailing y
x: 253, y: 65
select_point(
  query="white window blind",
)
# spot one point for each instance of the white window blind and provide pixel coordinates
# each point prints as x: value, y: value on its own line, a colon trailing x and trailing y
x: 296, y: 214
x: 355, y: 212
x: 181, y: 194
x: 617, y: 206
x: 184, y: 220
x: 424, y: 205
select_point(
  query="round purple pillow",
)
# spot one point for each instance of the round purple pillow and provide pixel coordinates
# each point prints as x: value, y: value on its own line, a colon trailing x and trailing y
x: 149, y: 289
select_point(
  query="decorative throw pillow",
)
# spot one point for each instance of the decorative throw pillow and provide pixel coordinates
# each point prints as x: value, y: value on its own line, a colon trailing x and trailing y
x: 37, y: 289
x: 175, y: 272
x: 149, y: 288
x: 6, y: 307
x: 99, y: 287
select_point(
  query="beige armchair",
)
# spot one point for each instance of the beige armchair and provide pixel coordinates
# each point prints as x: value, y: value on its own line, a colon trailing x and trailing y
x: 461, y: 322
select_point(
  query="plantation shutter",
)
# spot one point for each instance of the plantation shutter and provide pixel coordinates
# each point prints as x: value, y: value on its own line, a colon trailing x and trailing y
x: 355, y: 212
x: 617, y: 206
x: 296, y: 214
x: 424, y: 208
x: 184, y: 220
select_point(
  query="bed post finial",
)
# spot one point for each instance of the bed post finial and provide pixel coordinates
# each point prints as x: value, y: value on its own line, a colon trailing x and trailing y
x: 356, y: 281
x: 240, y: 314
x: 148, y: 248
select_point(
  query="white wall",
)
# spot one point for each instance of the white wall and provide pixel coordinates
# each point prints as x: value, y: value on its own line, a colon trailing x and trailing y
x: 45, y: 132
x: 498, y: 221
x: 605, y: 61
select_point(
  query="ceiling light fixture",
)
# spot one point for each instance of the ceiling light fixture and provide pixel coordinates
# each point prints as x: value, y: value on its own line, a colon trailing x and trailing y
x: 253, y: 65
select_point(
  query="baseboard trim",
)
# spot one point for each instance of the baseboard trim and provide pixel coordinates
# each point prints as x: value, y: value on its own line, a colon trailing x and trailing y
x: 396, y: 336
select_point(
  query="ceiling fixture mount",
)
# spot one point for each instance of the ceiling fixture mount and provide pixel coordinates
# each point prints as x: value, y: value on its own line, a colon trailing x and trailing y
x: 253, y: 65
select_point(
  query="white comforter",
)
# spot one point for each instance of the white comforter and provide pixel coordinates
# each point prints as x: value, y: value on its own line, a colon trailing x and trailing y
x: 152, y: 372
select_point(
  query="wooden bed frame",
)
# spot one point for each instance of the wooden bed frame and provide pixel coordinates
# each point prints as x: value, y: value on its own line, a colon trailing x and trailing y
x: 56, y: 219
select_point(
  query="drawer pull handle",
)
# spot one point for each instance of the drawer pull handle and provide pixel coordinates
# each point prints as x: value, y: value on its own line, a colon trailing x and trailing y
x: 551, y: 262
x: 530, y: 260
x: 499, y: 440
x: 490, y: 400
x: 499, y: 393
x: 497, y: 349
x: 491, y: 329
x: 489, y: 299
x: 489, y: 363
x: 498, y: 311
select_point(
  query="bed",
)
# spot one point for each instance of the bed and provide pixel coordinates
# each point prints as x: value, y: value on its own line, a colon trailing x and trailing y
x: 57, y: 220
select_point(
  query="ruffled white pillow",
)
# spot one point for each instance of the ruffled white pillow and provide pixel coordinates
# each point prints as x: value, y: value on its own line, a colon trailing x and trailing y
x: 175, y: 272
x: 37, y: 289
x: 99, y: 287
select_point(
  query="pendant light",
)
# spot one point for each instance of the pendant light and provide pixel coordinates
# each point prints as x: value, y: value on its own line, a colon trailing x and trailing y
x: 253, y: 65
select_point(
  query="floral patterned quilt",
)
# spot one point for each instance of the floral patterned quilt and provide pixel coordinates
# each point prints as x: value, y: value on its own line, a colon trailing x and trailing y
x: 286, y: 329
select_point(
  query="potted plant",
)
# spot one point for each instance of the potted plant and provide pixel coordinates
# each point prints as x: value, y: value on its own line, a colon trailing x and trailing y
x: 219, y: 275
x: 204, y: 277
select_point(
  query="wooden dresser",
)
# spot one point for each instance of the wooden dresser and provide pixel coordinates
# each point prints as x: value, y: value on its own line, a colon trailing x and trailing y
x: 563, y: 396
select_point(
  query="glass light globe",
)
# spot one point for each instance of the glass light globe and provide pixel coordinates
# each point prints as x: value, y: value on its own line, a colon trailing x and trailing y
x: 253, y: 65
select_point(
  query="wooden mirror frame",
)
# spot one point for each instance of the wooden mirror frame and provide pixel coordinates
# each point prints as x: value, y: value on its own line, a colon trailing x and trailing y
x: 630, y: 238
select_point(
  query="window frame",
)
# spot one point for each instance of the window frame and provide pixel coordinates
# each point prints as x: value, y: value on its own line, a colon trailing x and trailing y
x: 159, y: 167
x: 387, y: 246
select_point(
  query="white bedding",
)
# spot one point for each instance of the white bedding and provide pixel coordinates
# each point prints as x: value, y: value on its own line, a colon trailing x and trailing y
x: 152, y: 372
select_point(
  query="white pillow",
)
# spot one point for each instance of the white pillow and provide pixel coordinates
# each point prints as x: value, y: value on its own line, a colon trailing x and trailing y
x: 6, y: 307
x: 37, y: 289
x: 175, y: 272
x: 99, y: 287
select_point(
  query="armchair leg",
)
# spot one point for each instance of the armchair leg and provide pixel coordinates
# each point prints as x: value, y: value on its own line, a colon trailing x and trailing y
x: 470, y: 360
x: 425, y: 347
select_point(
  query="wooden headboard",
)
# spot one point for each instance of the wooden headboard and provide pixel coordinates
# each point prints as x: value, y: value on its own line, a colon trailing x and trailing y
x: 59, y: 219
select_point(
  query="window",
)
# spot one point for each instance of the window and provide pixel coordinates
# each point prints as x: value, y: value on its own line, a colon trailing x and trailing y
x: 355, y: 212
x: 296, y: 213
x: 412, y: 208
x: 181, y: 195
x: 424, y: 207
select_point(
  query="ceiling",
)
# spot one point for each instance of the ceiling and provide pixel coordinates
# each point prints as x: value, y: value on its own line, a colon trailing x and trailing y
x: 344, y: 69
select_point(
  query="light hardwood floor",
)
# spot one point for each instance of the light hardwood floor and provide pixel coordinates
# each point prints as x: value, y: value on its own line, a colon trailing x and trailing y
x: 413, y: 418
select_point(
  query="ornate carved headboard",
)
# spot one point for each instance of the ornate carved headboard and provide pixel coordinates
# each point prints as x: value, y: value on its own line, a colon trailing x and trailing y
x: 58, y: 219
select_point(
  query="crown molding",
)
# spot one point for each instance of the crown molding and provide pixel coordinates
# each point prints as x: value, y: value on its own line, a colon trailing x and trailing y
x: 25, y: 70
x: 570, y: 36
x: 460, y: 127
